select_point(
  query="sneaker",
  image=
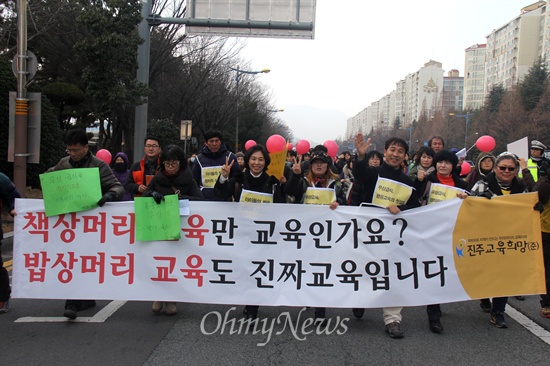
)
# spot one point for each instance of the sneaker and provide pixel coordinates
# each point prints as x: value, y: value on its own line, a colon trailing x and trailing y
x: 485, y: 305
x: 520, y: 298
x: 4, y: 306
x: 436, y: 326
x: 498, y: 320
x: 157, y: 306
x: 545, y: 312
x: 358, y: 312
x: 171, y: 308
x: 70, y: 312
x: 394, y: 330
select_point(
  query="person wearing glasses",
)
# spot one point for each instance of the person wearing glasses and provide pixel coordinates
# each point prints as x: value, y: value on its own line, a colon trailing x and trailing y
x: 502, y: 180
x: 209, y: 162
x: 80, y: 156
x: 173, y: 177
x: 142, y: 172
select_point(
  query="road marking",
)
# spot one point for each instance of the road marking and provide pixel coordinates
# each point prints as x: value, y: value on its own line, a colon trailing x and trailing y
x: 100, y: 317
x: 528, y: 324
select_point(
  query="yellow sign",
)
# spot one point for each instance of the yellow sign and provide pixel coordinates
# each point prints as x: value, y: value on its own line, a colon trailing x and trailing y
x: 441, y: 192
x: 319, y: 196
x: 210, y: 176
x: 389, y: 192
x: 277, y: 166
x: 255, y: 197
x: 509, y: 259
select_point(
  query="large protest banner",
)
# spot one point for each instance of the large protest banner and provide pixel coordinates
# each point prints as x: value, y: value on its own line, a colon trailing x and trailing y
x: 277, y: 254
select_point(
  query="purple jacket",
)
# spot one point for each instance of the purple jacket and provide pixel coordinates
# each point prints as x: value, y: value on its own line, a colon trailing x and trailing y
x: 122, y: 174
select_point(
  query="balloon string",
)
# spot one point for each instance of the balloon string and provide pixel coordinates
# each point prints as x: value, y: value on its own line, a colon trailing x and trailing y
x: 471, y: 147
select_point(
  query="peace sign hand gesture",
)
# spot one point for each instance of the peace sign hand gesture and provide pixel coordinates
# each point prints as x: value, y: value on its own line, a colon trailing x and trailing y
x: 226, y: 168
x: 297, y: 166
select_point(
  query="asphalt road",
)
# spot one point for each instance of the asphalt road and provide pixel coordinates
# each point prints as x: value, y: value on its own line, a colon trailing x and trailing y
x: 33, y: 332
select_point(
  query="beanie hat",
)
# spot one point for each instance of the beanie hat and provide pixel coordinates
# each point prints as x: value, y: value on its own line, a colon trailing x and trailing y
x: 446, y: 155
x: 239, y: 155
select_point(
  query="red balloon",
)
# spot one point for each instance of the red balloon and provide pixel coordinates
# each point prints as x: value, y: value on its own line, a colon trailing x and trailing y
x: 486, y: 143
x: 302, y: 147
x: 465, y: 168
x: 289, y: 146
x: 332, y: 147
x: 104, y: 155
x: 249, y: 144
x: 275, y: 143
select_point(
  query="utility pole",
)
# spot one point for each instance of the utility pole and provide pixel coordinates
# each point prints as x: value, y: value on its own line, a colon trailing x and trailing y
x: 21, y: 103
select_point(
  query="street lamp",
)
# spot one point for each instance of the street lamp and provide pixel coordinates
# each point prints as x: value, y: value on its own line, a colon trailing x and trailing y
x: 237, y: 79
x: 467, y: 119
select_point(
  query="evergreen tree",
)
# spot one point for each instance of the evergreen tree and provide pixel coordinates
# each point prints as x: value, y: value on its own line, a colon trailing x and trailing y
x: 532, y: 86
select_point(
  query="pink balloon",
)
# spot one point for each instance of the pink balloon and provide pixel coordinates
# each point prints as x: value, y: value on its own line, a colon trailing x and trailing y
x: 486, y: 143
x: 249, y: 144
x: 302, y: 147
x: 104, y: 155
x: 289, y: 146
x: 465, y: 168
x: 275, y: 143
x: 332, y: 147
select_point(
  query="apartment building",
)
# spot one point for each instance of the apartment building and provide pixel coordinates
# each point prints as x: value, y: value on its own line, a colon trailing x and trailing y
x: 453, y: 91
x: 513, y: 48
x: 474, y: 76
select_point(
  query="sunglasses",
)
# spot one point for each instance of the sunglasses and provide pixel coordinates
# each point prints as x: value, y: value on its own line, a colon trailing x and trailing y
x: 504, y: 168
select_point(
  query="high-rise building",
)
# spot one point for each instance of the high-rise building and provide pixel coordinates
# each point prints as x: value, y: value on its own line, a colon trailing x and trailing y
x: 513, y: 48
x: 474, y: 76
x: 419, y: 92
x: 453, y: 88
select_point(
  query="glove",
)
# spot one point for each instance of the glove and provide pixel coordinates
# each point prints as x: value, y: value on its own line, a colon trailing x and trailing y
x: 158, y: 197
x: 487, y: 194
x: 539, y: 206
x: 107, y: 197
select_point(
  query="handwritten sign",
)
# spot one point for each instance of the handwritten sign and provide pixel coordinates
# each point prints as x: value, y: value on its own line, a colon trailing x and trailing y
x: 441, y: 192
x: 389, y: 192
x: 256, y: 197
x: 277, y: 166
x: 157, y: 221
x: 210, y: 176
x: 70, y: 190
x: 319, y: 196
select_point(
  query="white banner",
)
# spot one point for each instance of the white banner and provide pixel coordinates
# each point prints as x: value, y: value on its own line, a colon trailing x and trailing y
x: 276, y: 254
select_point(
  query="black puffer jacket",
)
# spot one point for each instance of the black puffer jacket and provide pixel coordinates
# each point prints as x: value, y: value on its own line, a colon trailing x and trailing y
x: 182, y: 181
x: 366, y: 178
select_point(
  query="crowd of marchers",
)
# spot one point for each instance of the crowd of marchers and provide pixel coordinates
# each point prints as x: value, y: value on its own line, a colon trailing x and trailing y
x: 217, y: 174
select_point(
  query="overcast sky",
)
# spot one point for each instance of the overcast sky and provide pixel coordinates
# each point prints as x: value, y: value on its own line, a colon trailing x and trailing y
x: 361, y: 49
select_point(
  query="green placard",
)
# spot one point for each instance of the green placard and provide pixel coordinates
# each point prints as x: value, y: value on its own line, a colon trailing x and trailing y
x: 70, y: 190
x: 157, y: 222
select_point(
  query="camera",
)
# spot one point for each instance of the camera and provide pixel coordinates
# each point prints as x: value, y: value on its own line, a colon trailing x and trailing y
x: 544, y: 167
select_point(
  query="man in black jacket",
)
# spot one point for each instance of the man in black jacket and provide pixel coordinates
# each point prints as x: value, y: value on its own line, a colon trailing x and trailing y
x: 365, y: 188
